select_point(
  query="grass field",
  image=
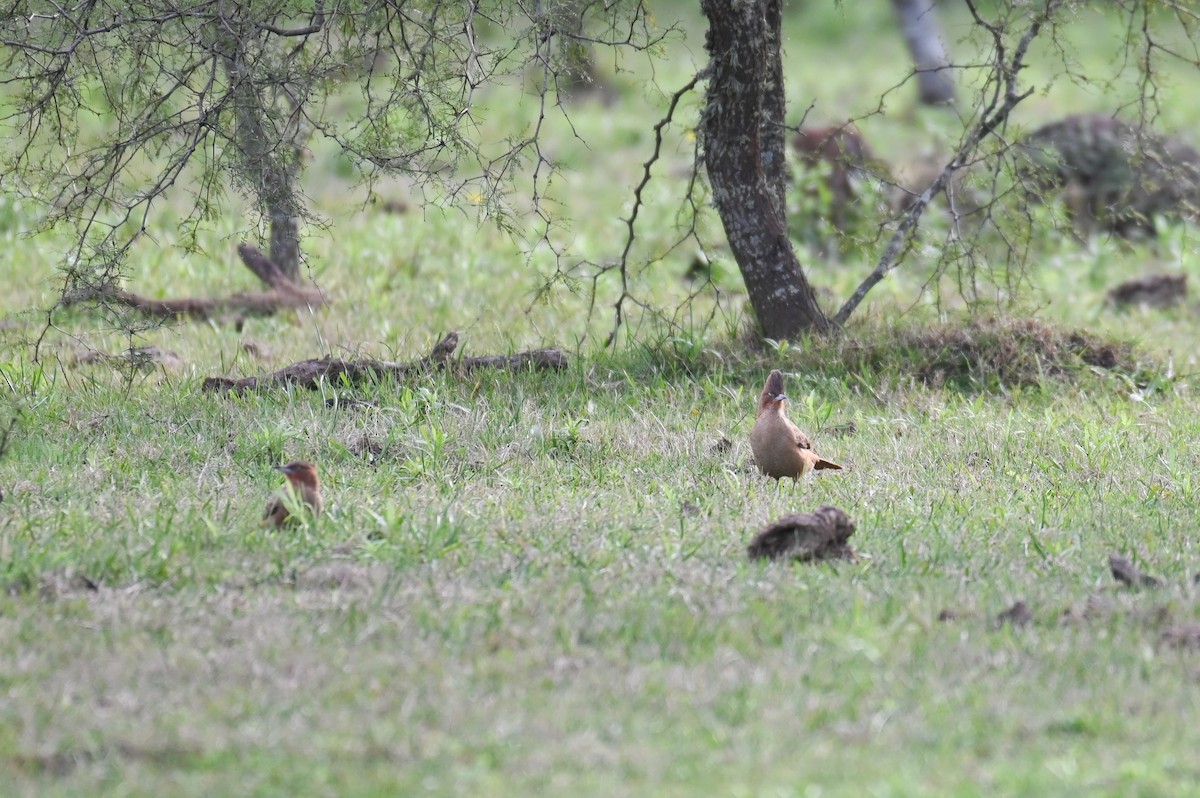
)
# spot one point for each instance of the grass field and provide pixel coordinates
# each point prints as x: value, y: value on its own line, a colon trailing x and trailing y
x: 536, y: 583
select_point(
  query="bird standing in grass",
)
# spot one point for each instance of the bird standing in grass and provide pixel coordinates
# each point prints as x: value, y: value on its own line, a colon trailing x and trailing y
x: 304, y: 485
x: 780, y: 448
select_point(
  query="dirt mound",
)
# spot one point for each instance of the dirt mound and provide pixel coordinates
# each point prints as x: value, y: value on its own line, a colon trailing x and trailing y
x: 806, y: 537
x: 1155, y: 291
x: 985, y: 353
x: 1113, y: 176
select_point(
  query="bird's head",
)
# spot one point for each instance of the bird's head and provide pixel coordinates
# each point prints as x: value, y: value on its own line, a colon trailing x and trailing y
x: 299, y: 472
x: 773, y: 395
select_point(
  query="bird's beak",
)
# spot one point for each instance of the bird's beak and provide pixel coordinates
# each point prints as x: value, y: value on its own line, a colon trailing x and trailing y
x: 781, y: 397
x: 282, y: 468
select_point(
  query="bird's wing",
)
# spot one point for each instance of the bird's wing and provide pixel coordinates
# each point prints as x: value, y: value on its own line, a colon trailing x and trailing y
x: 815, y: 461
x: 799, y: 437
x: 274, y: 514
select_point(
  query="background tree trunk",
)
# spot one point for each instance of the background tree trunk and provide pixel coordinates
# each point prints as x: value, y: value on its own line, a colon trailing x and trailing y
x: 285, y: 241
x: 271, y: 158
x: 923, y: 35
x: 743, y: 154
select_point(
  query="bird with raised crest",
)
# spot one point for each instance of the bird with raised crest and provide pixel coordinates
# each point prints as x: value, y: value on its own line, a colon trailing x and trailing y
x: 780, y: 448
x: 304, y: 485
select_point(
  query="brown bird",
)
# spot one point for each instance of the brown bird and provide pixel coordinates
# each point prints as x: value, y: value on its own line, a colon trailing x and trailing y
x: 303, y: 482
x: 780, y: 448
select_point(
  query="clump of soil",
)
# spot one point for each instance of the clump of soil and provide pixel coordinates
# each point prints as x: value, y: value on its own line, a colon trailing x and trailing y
x: 983, y: 353
x: 806, y: 537
x: 1156, y: 291
x: 1017, y: 615
x: 1128, y: 574
x: 1104, y: 609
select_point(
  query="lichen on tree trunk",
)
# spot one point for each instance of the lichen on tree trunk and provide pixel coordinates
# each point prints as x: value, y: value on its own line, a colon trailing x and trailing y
x: 742, y: 114
x: 774, y: 112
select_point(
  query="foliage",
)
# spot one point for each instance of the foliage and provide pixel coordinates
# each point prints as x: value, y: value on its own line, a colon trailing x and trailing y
x: 163, y: 99
x: 113, y: 106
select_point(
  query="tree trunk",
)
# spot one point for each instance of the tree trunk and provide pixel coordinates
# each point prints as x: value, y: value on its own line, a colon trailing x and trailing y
x: 270, y: 160
x: 918, y: 21
x: 774, y: 112
x: 285, y: 240
x: 742, y: 112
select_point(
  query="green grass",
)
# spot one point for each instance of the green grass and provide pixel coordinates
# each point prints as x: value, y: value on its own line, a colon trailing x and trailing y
x: 536, y: 583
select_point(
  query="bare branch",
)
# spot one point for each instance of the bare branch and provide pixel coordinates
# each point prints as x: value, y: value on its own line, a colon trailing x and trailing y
x: 994, y: 115
x: 622, y: 265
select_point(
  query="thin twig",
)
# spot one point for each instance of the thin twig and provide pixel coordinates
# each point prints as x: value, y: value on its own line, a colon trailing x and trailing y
x: 991, y: 119
x: 622, y: 265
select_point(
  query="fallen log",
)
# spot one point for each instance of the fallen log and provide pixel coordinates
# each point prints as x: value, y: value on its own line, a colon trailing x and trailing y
x: 311, y: 373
